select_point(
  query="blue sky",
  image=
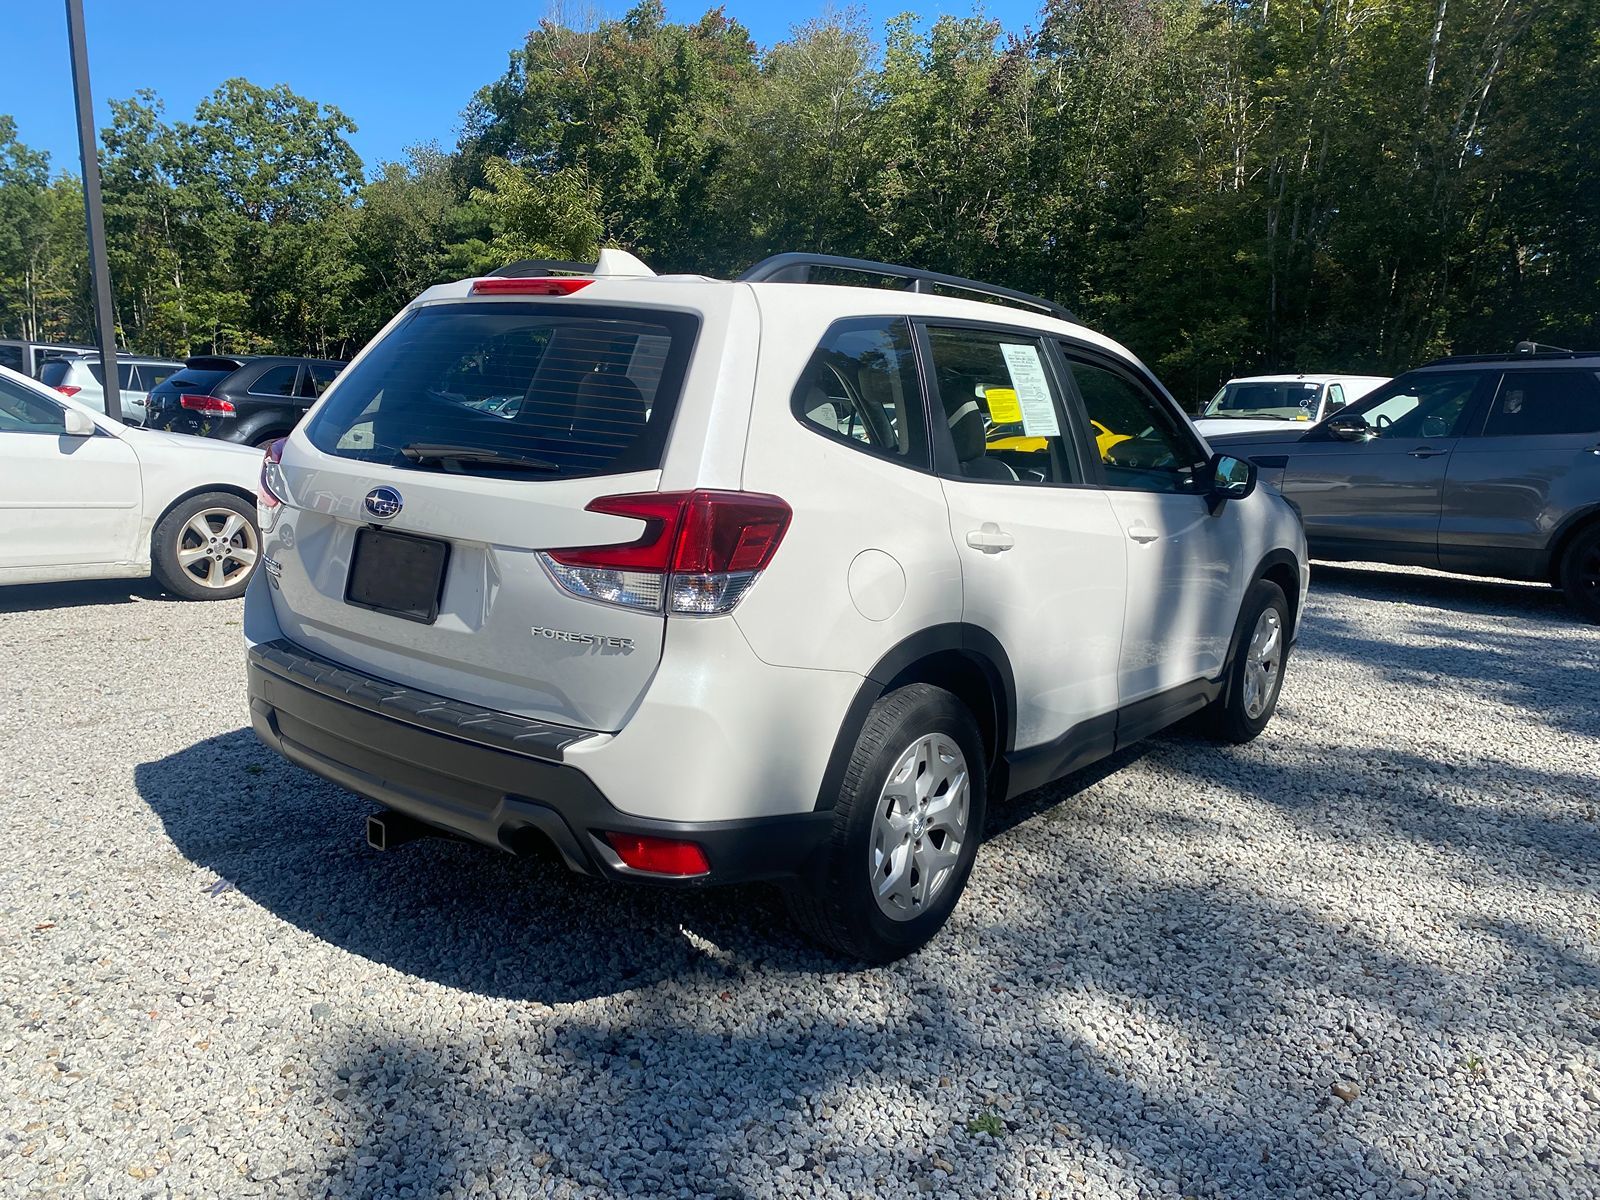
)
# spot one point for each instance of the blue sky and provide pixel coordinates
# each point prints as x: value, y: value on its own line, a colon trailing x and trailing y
x: 402, y: 70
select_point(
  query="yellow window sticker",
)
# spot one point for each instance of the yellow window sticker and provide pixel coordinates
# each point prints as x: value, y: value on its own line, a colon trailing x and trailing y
x: 1003, y: 406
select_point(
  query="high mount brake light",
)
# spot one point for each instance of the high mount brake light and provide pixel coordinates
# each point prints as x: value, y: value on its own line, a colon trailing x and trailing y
x: 214, y: 406
x: 544, y: 286
x: 697, y: 555
x: 269, y: 488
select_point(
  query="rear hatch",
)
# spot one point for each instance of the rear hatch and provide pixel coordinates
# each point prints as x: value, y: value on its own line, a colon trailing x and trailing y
x: 199, y: 377
x: 439, y: 467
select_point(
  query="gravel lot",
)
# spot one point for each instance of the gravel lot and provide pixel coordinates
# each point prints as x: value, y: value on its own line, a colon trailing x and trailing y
x: 1356, y: 958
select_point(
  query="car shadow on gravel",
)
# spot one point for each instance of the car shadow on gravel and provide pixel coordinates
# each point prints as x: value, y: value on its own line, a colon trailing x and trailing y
x: 1463, y: 593
x: 41, y: 597
x: 1368, y: 796
x: 522, y: 928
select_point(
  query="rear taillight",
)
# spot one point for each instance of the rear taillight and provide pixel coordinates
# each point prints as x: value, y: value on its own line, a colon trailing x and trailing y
x: 270, y: 489
x: 659, y: 856
x: 697, y: 554
x: 548, y: 286
x: 212, y: 406
x: 66, y: 389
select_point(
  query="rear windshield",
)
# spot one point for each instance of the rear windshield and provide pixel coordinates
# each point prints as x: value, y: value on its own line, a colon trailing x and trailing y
x: 53, y: 373
x: 532, y: 390
x: 192, y: 379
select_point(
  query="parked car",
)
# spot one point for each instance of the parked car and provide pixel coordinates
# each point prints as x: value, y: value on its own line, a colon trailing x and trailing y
x: 1256, y: 402
x: 28, y: 358
x: 707, y: 581
x: 85, y: 497
x: 1483, y: 465
x: 252, y: 401
x: 82, y: 377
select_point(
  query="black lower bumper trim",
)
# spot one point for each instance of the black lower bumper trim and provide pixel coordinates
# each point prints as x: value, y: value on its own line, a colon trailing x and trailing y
x: 489, y: 793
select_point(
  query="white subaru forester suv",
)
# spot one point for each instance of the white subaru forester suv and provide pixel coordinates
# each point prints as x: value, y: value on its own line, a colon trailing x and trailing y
x: 705, y: 581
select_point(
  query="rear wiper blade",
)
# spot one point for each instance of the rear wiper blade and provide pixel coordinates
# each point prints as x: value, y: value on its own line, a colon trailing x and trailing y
x: 443, y: 452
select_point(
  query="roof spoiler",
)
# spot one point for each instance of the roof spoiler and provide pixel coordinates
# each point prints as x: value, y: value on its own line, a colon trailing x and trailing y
x: 612, y: 262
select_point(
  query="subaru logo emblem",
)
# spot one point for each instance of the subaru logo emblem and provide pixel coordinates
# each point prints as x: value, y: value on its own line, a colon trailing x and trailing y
x: 384, y: 502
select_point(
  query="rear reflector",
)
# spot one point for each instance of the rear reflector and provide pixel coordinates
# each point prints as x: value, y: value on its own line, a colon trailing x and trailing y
x: 659, y: 856
x: 546, y: 286
x: 697, y: 554
x: 214, y: 406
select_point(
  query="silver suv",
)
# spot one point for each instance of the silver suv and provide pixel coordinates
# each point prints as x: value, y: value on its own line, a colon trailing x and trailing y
x: 1483, y: 465
x: 82, y: 377
x: 703, y: 580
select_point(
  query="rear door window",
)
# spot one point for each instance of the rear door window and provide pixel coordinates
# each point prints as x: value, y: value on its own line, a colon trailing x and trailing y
x: 314, y: 380
x: 1545, y: 403
x: 276, y: 381
x: 514, y: 389
x: 152, y: 375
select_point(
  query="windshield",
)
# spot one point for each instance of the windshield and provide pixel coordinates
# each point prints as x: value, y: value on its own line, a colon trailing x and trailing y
x: 572, y: 390
x: 1289, y: 400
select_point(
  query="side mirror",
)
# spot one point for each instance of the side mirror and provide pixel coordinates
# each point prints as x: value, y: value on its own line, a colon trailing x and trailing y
x: 1231, y: 478
x: 78, y: 424
x: 1348, y: 428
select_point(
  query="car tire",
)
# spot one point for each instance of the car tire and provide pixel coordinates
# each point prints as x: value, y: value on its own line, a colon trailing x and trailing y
x: 892, y: 837
x: 1254, y: 679
x: 206, y: 547
x: 1580, y: 574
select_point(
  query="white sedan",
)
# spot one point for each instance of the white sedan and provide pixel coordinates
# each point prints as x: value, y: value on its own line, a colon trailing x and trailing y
x: 86, y: 497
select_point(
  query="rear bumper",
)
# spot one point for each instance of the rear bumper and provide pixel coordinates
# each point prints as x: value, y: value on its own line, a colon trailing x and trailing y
x: 489, y: 777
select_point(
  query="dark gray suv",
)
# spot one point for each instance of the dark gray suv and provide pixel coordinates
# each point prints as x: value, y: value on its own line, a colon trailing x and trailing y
x: 1483, y: 465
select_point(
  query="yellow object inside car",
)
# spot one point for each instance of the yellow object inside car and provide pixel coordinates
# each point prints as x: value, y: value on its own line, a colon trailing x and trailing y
x: 1005, y: 420
x: 1104, y: 439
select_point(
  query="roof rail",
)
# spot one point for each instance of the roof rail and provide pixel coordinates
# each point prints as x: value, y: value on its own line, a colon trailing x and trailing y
x: 796, y: 267
x: 610, y: 262
x: 1511, y: 356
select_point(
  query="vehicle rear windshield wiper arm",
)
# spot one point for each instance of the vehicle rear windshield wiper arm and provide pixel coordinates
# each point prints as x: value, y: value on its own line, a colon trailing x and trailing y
x: 443, y: 452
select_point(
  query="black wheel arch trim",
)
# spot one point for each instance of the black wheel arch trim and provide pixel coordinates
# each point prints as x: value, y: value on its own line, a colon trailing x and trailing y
x: 1572, y: 526
x: 977, y: 645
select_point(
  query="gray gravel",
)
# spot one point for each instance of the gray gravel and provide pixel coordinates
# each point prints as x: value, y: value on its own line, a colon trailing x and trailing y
x: 1356, y: 958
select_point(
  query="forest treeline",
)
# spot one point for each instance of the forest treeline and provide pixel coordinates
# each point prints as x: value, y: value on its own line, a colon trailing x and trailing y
x: 1224, y: 186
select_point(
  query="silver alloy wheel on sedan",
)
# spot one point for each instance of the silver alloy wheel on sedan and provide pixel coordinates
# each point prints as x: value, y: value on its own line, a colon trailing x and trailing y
x: 216, y: 547
x: 920, y: 826
x: 1263, y: 665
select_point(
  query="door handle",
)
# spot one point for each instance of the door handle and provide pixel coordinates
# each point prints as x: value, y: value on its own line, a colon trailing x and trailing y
x: 991, y: 539
x: 1425, y: 452
x: 1142, y: 534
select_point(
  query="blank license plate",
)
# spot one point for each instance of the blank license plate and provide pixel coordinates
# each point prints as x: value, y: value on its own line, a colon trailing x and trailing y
x: 397, y: 573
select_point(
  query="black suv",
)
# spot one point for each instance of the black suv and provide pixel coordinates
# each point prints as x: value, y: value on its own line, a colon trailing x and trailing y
x: 1479, y: 464
x: 249, y: 400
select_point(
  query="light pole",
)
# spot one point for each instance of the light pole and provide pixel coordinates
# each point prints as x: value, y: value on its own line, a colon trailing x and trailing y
x: 93, y: 211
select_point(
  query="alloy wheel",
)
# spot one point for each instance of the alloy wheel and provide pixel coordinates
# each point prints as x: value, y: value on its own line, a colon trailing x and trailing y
x: 216, y: 547
x: 919, y: 826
